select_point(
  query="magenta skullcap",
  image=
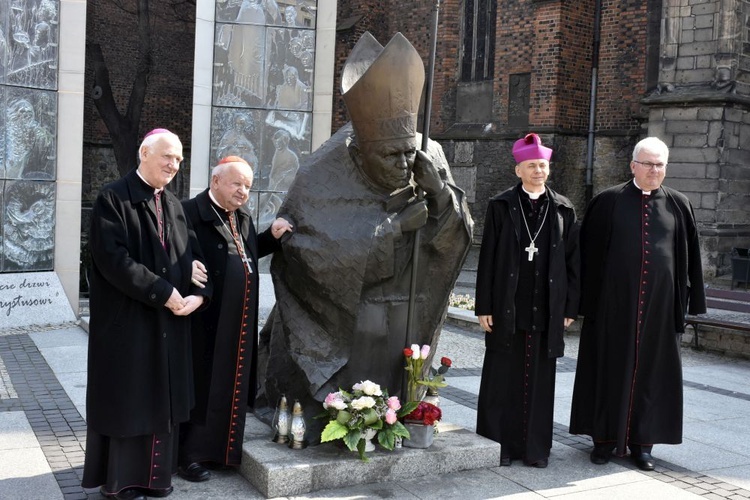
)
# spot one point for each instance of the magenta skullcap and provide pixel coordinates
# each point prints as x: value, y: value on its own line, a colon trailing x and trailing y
x: 158, y: 131
x: 530, y: 148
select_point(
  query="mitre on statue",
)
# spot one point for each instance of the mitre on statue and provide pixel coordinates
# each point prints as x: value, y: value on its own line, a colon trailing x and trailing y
x: 382, y: 88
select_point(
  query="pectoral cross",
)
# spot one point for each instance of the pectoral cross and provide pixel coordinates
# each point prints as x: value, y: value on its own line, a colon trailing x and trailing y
x: 248, y: 263
x: 531, y: 249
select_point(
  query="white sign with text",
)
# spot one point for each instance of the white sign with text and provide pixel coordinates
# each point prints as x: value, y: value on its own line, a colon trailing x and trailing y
x: 33, y: 299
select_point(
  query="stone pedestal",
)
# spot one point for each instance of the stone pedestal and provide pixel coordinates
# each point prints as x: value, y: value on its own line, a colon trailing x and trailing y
x: 277, y: 471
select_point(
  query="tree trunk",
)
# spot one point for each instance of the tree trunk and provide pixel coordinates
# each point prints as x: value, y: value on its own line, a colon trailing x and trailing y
x: 124, y: 129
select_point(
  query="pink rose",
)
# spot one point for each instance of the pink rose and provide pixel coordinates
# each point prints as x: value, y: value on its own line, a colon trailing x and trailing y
x: 393, y: 403
x: 390, y: 416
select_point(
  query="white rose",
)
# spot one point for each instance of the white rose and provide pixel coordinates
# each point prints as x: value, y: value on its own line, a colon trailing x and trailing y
x: 338, y: 404
x: 371, y: 388
x: 363, y: 402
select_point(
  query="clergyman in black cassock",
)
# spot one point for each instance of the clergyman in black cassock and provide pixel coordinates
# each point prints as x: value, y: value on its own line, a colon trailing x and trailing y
x: 641, y: 272
x: 225, y: 334
x: 139, y: 379
x: 527, y: 294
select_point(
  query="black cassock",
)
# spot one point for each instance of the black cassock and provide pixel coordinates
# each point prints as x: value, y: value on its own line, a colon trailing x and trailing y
x: 224, y: 336
x: 628, y: 387
x: 517, y: 392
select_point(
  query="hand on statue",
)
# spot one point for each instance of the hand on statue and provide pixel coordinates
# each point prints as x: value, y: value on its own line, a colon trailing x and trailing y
x: 426, y: 175
x: 192, y: 302
x: 485, y: 321
x: 412, y: 217
x: 280, y: 226
x: 199, y: 274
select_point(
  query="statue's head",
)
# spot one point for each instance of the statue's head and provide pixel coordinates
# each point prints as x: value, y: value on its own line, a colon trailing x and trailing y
x: 382, y: 88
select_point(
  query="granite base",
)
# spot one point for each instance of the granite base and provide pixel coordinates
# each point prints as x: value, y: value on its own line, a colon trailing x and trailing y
x: 277, y: 471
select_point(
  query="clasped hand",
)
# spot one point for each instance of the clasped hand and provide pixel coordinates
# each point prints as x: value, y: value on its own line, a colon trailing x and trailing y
x: 182, y: 306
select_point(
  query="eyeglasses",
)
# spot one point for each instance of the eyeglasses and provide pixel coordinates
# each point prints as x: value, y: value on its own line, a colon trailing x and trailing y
x: 649, y: 165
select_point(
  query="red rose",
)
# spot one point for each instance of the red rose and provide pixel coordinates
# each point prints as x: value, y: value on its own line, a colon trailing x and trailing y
x: 446, y: 361
x: 427, y: 413
x: 408, y: 352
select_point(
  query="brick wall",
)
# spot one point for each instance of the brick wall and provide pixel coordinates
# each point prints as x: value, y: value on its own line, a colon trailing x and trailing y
x: 169, y: 99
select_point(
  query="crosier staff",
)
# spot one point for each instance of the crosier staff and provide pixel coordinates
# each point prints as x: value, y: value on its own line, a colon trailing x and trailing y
x: 420, y: 194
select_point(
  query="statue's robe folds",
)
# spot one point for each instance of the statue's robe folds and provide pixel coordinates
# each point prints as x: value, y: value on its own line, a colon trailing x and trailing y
x: 342, y: 280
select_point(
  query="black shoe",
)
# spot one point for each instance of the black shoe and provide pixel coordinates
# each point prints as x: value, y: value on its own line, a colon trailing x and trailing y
x: 194, y: 472
x: 505, y: 461
x: 600, y: 456
x: 126, y: 494
x: 158, y: 493
x: 540, y: 464
x: 643, y: 461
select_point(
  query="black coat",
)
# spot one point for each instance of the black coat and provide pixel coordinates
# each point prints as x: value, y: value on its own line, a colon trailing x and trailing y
x: 688, y: 268
x: 140, y: 379
x: 499, y: 260
x: 207, y: 229
x: 628, y: 384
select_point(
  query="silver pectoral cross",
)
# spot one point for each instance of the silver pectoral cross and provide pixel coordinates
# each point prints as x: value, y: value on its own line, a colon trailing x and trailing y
x: 531, y: 249
x: 248, y: 264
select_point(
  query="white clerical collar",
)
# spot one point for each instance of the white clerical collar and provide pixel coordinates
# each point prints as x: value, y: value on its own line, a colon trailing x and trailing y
x: 156, y: 191
x: 213, y: 199
x: 533, y: 196
x: 639, y: 187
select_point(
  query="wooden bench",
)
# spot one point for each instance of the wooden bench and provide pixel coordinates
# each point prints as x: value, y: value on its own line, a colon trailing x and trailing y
x: 724, y: 300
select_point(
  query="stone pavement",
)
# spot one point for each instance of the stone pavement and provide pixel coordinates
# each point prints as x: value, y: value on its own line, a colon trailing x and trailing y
x: 42, y: 430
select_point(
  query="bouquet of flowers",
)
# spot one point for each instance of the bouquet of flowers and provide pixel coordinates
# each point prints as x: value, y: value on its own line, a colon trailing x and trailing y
x: 367, y: 407
x: 415, y: 357
x: 425, y: 414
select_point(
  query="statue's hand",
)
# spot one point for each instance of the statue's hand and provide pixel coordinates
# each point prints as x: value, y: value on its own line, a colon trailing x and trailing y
x: 426, y: 175
x: 412, y: 217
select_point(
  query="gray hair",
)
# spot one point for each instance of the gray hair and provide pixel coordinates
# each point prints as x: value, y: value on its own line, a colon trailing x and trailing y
x: 654, y: 145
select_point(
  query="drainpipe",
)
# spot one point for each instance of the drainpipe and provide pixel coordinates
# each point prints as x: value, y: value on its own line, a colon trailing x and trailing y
x: 592, y: 103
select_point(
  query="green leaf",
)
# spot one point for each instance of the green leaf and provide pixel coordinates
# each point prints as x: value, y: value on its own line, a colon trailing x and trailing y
x: 387, y: 439
x: 343, y: 417
x: 371, y: 416
x: 333, y: 431
x: 400, y: 429
x: 352, y: 439
x: 361, y: 449
x: 407, y: 408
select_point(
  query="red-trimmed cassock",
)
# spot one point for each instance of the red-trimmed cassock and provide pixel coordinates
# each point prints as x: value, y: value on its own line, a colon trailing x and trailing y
x: 225, y: 335
x: 528, y: 301
x: 641, y: 271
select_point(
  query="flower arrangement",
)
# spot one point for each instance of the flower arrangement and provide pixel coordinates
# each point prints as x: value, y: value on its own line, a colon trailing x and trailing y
x: 415, y: 357
x: 425, y: 414
x: 461, y: 301
x: 366, y: 407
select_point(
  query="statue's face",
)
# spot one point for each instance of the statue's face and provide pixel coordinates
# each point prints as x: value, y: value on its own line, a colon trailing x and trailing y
x: 388, y: 164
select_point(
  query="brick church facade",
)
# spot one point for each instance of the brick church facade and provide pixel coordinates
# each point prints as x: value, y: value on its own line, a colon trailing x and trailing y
x: 592, y: 77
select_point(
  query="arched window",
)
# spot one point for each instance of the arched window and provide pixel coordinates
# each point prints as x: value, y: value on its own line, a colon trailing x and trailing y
x: 478, y: 47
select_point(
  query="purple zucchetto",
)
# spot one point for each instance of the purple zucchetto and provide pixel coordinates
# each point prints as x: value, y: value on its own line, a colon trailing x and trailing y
x: 530, y: 148
x: 157, y: 131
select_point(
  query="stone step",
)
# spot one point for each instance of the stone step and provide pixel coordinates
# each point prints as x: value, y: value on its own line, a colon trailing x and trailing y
x: 277, y: 470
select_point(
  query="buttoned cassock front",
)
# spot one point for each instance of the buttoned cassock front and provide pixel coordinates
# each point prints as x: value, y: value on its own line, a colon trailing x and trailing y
x: 225, y: 336
x: 140, y: 379
x: 501, y: 253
